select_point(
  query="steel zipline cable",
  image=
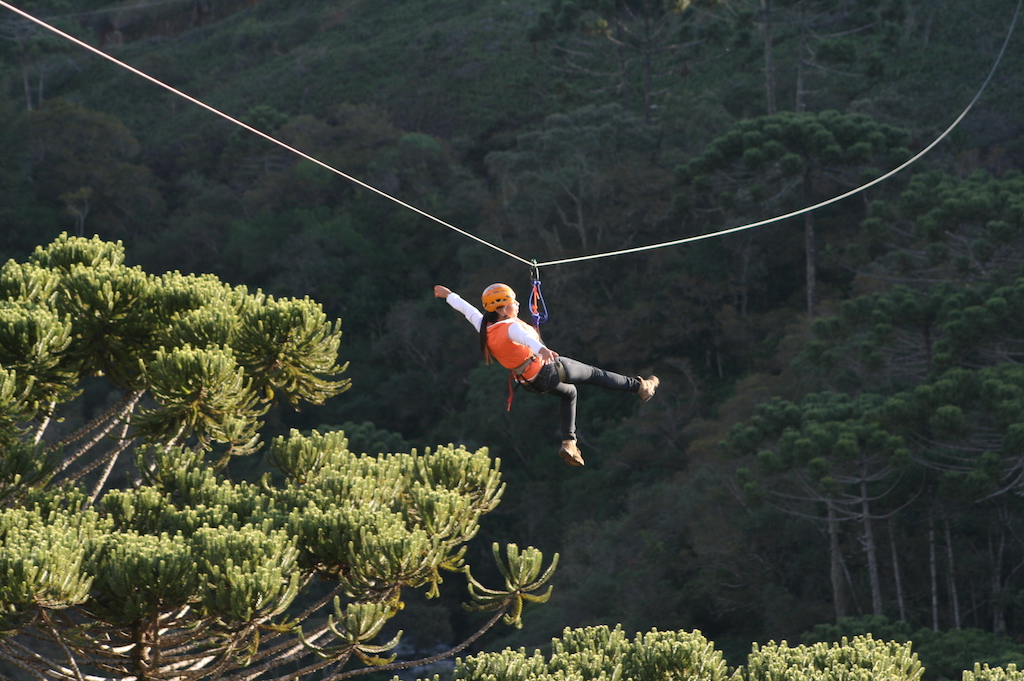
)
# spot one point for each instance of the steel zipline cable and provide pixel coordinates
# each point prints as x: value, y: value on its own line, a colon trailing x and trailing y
x: 534, y: 265
x: 253, y: 130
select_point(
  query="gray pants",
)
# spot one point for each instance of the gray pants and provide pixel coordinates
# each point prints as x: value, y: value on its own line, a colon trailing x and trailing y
x: 577, y: 373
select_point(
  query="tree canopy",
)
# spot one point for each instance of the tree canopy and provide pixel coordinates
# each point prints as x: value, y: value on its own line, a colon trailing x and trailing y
x: 165, y: 567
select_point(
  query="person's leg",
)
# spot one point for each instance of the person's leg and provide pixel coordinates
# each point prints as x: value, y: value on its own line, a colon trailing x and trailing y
x: 580, y: 373
x: 566, y: 393
x: 547, y: 382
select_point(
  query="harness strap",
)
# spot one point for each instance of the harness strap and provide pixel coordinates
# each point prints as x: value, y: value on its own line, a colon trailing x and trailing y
x: 517, y: 375
x: 521, y: 369
x: 528, y: 385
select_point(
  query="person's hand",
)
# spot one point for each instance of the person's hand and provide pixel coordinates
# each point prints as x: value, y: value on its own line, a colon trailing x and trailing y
x: 442, y: 291
x: 547, y: 355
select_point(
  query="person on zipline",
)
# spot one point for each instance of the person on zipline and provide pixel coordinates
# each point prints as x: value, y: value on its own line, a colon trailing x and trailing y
x: 517, y: 346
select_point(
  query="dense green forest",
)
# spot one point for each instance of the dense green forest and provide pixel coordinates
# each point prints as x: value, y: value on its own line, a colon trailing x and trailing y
x: 836, y: 445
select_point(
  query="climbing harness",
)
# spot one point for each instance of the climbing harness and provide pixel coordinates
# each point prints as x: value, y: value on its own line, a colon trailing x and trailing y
x: 515, y: 379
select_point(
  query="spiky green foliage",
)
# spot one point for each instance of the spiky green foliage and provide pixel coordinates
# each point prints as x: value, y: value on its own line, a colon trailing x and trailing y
x: 42, y: 560
x: 522, y: 573
x: 982, y: 672
x: 193, y: 569
x: 289, y: 347
x: 606, y: 654
x: 187, y: 360
x: 182, y: 568
x: 848, y: 660
x: 32, y: 342
x: 200, y: 391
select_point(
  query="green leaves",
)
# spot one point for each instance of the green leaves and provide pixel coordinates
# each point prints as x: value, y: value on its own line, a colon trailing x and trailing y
x: 68, y: 251
x: 33, y: 341
x: 522, y: 573
x: 203, y: 393
x: 139, y: 576
x: 358, y: 624
x: 301, y: 457
x: 368, y: 550
x: 410, y: 511
x: 288, y: 346
x: 831, y: 450
x: 186, y: 567
x: 210, y: 563
x: 113, y: 319
x: 569, y: 183
x: 973, y: 424
x: 83, y: 157
x: 22, y: 467
x: 13, y: 406
x: 605, y: 654
x: 862, y: 658
x: 958, y: 229
x: 205, y: 359
x: 41, y: 564
x: 250, y: 574
x: 982, y: 672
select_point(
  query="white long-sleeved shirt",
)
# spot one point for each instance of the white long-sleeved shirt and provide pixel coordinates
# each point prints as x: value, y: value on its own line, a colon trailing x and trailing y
x: 520, y: 332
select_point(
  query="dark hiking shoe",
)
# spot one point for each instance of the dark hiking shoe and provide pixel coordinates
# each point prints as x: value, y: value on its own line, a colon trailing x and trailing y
x: 571, y: 453
x: 647, y: 387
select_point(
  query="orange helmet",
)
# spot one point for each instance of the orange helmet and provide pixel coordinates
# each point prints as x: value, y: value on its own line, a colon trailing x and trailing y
x: 497, y: 295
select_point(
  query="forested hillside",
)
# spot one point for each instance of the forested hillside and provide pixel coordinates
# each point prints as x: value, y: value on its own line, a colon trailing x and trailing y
x: 840, y: 424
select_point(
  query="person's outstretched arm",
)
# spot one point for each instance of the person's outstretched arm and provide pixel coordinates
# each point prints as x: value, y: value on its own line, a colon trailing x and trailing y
x: 472, y: 315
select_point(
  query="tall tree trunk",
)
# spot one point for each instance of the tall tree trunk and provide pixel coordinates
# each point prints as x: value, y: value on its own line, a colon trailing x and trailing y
x: 933, y: 572
x: 26, y: 85
x: 900, y: 599
x: 620, y: 53
x: 954, y: 601
x: 648, y: 68
x: 769, y: 57
x: 810, y: 254
x: 996, y: 554
x: 838, y: 588
x: 800, y: 105
x: 871, y: 550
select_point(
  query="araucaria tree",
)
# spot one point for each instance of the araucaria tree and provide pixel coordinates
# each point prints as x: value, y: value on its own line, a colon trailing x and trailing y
x: 125, y: 550
x: 788, y: 161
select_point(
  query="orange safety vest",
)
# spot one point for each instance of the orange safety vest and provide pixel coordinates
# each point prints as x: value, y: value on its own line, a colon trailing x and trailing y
x: 510, y: 354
